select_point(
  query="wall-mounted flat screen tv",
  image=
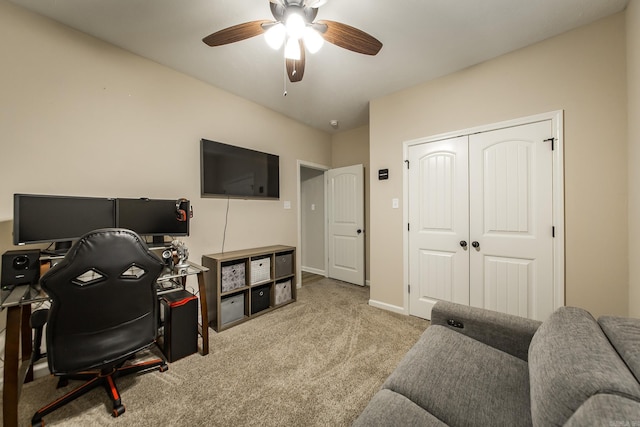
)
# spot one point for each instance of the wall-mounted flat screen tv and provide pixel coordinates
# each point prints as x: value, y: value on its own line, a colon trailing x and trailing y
x: 230, y: 171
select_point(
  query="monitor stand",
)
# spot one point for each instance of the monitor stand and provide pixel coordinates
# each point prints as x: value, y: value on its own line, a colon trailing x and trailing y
x: 60, y: 248
x: 158, y: 240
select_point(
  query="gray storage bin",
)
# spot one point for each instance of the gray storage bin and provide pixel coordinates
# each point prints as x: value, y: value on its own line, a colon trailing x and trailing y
x: 232, y: 308
x: 284, y: 264
x: 233, y: 277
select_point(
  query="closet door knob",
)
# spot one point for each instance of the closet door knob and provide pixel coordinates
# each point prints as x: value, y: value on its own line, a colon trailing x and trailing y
x: 463, y: 243
x: 475, y: 244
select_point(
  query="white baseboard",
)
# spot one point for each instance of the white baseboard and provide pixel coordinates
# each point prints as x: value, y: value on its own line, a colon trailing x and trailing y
x: 388, y: 307
x: 313, y: 271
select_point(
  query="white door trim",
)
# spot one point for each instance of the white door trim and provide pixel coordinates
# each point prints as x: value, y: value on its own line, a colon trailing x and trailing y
x: 556, y: 118
x: 309, y: 165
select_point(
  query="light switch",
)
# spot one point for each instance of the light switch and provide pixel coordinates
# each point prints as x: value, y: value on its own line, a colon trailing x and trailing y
x: 287, y: 204
x: 395, y: 204
x: 313, y: 206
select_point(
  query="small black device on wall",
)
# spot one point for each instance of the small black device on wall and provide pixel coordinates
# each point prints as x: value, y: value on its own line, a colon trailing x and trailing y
x: 20, y: 267
x: 383, y: 174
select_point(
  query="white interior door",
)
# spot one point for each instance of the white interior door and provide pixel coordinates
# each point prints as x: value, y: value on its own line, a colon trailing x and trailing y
x: 439, y: 222
x: 345, y: 217
x: 511, y: 220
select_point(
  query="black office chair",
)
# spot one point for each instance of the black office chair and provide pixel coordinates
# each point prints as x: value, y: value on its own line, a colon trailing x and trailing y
x: 104, y: 310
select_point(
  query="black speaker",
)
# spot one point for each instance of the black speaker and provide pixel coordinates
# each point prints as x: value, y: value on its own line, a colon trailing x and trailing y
x: 20, y: 267
x: 179, y: 315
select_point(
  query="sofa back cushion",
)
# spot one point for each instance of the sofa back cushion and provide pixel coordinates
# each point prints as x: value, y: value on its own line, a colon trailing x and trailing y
x: 624, y: 335
x: 570, y: 360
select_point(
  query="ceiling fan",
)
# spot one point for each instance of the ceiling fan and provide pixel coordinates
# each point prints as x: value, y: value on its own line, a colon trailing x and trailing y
x: 294, y: 27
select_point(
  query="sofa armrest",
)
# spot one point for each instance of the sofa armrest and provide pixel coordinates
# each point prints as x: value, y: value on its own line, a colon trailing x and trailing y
x: 505, y: 332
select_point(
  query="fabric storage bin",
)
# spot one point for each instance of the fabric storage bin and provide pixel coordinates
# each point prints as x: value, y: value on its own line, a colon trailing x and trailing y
x: 260, y: 270
x: 260, y: 298
x: 283, y: 292
x: 233, y: 277
x: 284, y: 264
x: 232, y: 308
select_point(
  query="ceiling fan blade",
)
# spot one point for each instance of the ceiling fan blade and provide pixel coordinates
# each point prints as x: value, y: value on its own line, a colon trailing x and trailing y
x: 295, y: 67
x: 235, y: 33
x: 350, y: 38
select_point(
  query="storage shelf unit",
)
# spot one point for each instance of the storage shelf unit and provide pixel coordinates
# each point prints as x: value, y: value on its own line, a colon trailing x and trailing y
x: 247, y: 283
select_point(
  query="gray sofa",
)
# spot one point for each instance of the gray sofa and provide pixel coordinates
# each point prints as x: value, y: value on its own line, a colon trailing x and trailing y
x: 475, y: 367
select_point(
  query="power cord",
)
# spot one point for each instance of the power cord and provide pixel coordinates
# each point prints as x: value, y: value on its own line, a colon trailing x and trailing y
x: 226, y: 222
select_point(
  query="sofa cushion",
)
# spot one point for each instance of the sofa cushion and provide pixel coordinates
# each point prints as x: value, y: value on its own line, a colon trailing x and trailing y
x: 606, y: 410
x: 570, y: 360
x: 463, y: 382
x: 624, y: 334
x: 388, y: 408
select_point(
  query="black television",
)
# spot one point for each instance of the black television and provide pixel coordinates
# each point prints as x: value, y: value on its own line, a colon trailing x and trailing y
x: 230, y: 171
x: 60, y: 219
x: 153, y: 217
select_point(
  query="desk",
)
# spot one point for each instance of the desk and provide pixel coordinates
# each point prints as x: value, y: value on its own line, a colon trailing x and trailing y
x: 18, y: 339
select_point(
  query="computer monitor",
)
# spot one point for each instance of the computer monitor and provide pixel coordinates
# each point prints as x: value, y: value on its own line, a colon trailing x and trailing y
x: 60, y: 219
x: 153, y: 217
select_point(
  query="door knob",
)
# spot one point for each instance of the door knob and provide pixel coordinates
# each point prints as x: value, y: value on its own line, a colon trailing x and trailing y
x: 475, y: 244
x: 358, y: 231
x: 463, y: 243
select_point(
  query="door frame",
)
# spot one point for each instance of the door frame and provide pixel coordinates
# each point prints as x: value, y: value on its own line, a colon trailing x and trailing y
x: 319, y: 167
x: 557, y: 125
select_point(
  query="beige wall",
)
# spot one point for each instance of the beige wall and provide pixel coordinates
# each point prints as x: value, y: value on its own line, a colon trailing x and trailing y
x: 582, y: 72
x: 81, y: 117
x: 352, y: 148
x: 633, y: 102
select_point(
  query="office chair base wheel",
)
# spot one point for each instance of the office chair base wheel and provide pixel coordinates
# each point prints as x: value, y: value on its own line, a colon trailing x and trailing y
x: 117, y: 411
x: 163, y: 367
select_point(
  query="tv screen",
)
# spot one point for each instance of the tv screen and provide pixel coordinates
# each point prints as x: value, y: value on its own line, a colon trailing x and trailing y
x: 152, y: 217
x: 230, y: 171
x: 42, y: 219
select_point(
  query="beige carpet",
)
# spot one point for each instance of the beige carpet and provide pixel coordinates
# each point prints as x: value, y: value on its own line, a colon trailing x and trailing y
x: 315, y: 362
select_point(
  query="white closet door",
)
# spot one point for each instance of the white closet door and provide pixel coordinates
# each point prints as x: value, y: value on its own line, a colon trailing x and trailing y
x: 511, y: 220
x: 438, y: 218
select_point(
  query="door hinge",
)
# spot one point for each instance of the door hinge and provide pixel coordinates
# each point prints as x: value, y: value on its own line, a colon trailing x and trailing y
x: 409, y: 288
x: 552, y: 140
x: 553, y: 231
x: 407, y: 162
x: 408, y: 227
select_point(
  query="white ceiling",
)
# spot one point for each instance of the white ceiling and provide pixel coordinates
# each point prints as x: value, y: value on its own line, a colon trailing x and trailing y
x: 423, y: 39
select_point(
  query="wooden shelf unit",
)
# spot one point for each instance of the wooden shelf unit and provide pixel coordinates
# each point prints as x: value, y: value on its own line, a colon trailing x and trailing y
x: 281, y: 269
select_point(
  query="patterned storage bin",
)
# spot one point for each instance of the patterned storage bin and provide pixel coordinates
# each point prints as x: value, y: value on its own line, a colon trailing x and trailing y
x: 260, y: 270
x: 283, y: 292
x: 232, y: 277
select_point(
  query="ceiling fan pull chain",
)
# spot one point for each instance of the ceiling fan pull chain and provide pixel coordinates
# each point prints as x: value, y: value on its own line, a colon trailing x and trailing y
x: 285, y: 77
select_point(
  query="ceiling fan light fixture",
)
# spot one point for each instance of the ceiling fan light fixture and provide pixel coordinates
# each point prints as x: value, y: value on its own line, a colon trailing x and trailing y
x: 312, y: 40
x: 275, y: 36
x: 292, y: 49
x: 295, y: 25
